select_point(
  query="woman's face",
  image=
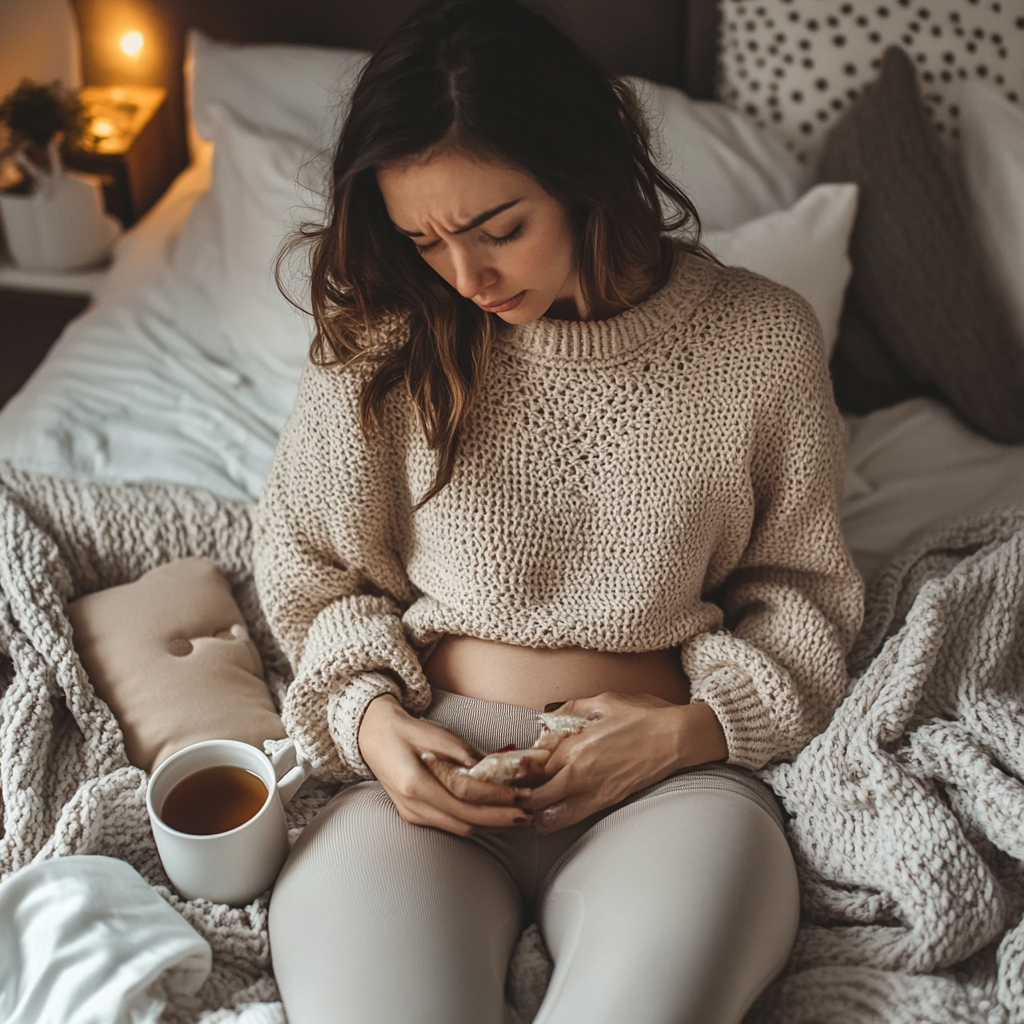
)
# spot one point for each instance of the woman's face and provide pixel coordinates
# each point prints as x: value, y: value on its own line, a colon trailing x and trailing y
x: 491, y: 231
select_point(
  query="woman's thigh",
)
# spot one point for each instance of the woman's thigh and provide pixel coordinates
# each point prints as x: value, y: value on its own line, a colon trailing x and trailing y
x: 677, y: 909
x: 376, y: 921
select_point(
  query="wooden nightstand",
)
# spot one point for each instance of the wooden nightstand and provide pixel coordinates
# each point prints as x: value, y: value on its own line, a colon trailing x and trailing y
x: 128, y: 145
x: 30, y: 322
x: 129, y: 148
x: 34, y: 309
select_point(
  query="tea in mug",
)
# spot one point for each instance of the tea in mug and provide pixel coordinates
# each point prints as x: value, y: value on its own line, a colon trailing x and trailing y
x: 214, y: 800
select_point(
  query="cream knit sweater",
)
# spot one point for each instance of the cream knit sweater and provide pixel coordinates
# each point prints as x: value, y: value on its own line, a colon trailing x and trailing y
x: 667, y: 477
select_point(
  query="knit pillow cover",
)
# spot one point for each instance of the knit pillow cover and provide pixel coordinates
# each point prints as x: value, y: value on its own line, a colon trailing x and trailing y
x: 922, y: 313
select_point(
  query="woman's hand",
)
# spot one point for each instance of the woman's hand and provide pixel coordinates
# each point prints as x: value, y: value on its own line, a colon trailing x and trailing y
x: 637, y: 740
x: 393, y: 743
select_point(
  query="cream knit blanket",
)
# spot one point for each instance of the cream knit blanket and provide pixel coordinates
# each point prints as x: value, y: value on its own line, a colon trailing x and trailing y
x: 907, y: 812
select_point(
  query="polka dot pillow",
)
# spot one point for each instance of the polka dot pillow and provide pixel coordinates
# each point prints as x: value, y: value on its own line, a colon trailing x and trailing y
x: 797, y: 64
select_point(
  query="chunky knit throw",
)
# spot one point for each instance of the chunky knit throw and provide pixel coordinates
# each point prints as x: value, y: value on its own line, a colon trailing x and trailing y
x: 611, y: 476
x: 906, y: 811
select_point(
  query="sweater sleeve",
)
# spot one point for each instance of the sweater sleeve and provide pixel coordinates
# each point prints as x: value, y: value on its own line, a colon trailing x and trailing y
x: 776, y: 672
x: 330, y: 575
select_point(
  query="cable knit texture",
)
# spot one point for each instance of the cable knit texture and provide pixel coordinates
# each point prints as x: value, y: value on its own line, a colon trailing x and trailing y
x: 667, y: 477
x: 905, y: 812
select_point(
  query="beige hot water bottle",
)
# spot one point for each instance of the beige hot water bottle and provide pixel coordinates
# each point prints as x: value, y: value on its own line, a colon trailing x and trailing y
x: 171, y: 655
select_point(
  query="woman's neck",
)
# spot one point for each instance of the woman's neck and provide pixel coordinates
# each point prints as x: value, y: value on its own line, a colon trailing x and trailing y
x: 576, y: 309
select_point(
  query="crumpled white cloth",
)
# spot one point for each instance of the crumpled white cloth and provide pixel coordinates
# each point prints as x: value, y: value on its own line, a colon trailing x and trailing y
x: 85, y: 940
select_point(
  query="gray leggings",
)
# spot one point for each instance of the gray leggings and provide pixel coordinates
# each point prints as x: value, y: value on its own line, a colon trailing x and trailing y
x: 677, y: 906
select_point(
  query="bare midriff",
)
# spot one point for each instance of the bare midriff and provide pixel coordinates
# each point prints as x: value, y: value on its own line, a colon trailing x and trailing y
x: 533, y: 677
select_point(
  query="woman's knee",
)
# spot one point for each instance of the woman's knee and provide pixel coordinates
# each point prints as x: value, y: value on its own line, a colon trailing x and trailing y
x: 360, y: 860
x: 682, y: 909
x: 393, y: 921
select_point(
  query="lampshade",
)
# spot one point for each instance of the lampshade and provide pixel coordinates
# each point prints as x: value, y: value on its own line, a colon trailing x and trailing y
x: 38, y: 40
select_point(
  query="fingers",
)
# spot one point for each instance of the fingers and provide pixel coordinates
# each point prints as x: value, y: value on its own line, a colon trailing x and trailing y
x: 562, y: 802
x: 563, y: 814
x: 481, y: 815
x: 462, y: 784
x: 394, y: 752
x: 600, y: 703
x: 600, y: 751
x: 428, y: 813
x: 431, y: 817
x: 445, y: 745
x: 569, y: 719
x: 547, y: 741
x: 552, y: 792
x: 513, y: 767
x: 428, y: 791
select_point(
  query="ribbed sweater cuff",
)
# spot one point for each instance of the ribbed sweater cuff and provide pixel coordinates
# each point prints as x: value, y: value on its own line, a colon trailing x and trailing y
x: 346, y: 715
x: 730, y: 693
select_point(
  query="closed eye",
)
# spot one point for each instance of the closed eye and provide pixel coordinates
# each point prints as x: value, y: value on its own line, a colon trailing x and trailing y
x: 510, y: 237
x: 500, y: 240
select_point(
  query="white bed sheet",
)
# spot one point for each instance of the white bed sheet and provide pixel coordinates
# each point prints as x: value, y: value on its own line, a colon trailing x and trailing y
x: 915, y: 467
x: 124, y: 396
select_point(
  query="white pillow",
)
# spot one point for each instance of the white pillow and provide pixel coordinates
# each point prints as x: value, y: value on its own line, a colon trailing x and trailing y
x: 221, y: 282
x: 730, y: 169
x: 221, y: 272
x: 264, y: 108
x: 804, y: 248
x: 302, y: 91
x: 992, y: 154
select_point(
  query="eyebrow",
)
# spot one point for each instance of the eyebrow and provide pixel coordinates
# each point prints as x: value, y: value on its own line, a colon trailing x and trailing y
x: 474, y: 223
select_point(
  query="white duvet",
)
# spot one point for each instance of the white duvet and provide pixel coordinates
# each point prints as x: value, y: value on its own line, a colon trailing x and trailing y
x: 126, y: 394
x: 186, y: 366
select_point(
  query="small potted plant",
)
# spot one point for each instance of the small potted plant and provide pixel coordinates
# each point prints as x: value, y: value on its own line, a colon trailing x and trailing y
x: 53, y: 219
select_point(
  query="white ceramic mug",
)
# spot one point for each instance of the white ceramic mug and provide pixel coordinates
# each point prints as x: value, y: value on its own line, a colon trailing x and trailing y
x: 228, y: 867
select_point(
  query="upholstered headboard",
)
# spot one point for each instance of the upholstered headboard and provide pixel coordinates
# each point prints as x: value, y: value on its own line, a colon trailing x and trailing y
x: 671, y: 41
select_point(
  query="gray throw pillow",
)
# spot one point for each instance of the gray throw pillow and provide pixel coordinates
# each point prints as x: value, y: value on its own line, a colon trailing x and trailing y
x: 923, y: 316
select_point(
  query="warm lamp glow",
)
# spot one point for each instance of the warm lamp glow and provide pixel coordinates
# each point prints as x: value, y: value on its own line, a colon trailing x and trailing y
x: 131, y: 43
x: 101, y: 128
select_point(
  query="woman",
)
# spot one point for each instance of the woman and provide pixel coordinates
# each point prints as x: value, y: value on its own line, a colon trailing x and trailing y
x: 544, y: 455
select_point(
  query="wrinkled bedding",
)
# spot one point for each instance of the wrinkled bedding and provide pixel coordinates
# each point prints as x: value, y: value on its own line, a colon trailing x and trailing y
x: 904, y: 815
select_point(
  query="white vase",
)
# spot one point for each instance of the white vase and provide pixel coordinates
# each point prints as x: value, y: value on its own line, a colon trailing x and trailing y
x: 62, y: 225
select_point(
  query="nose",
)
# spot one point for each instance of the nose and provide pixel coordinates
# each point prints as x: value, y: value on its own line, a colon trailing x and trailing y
x: 472, y: 274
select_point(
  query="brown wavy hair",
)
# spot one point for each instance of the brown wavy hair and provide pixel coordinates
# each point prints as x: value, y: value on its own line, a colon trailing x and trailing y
x: 494, y: 80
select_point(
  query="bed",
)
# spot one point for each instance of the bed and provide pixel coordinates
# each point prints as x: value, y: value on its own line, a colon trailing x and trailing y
x: 184, y: 369
x: 127, y: 394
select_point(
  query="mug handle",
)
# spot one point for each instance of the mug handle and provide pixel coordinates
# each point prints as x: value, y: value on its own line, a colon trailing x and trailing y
x: 290, y: 772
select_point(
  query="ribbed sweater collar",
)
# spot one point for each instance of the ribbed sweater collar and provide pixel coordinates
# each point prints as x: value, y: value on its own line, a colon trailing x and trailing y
x: 618, y: 336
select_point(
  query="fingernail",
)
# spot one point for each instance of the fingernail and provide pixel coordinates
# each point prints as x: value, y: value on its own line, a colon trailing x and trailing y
x: 548, y: 818
x: 553, y: 706
x: 522, y: 819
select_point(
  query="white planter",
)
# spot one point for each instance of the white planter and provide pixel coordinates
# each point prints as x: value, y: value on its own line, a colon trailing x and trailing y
x: 62, y: 225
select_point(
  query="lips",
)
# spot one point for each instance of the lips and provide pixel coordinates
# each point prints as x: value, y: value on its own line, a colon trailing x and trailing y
x: 506, y: 305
